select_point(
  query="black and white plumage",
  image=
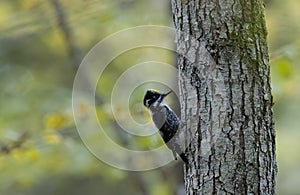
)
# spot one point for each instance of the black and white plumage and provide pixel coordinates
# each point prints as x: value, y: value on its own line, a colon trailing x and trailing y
x: 166, y: 120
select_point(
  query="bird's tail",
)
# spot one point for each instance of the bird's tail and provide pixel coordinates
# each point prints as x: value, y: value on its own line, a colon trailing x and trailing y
x: 180, y: 153
x: 184, y: 158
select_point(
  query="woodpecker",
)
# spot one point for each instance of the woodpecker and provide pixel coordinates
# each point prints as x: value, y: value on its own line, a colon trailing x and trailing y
x: 166, y: 120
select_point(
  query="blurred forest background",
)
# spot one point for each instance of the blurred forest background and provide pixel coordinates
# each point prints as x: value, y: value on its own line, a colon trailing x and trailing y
x: 42, y: 42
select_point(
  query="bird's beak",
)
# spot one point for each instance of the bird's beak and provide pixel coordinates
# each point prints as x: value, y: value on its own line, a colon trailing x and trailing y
x: 164, y: 95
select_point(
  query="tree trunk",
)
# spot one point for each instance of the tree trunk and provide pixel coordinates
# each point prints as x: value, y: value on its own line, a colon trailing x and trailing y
x: 225, y: 94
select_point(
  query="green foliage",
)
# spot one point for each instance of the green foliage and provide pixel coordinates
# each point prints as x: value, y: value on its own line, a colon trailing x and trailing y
x: 39, y: 142
x: 284, y: 28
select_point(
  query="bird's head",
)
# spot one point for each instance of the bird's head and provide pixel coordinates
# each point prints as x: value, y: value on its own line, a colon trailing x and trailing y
x: 153, y: 97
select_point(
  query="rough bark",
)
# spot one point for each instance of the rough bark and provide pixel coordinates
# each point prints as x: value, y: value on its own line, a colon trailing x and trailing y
x: 226, y: 96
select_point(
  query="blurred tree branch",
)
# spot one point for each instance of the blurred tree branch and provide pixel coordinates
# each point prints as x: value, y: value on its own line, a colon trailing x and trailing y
x: 73, y: 50
x: 62, y: 21
x: 7, y: 148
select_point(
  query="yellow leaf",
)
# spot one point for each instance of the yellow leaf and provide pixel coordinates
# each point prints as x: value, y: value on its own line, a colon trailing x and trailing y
x: 32, y: 154
x: 284, y: 68
x: 52, y: 139
x: 55, y: 121
x: 25, y: 155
